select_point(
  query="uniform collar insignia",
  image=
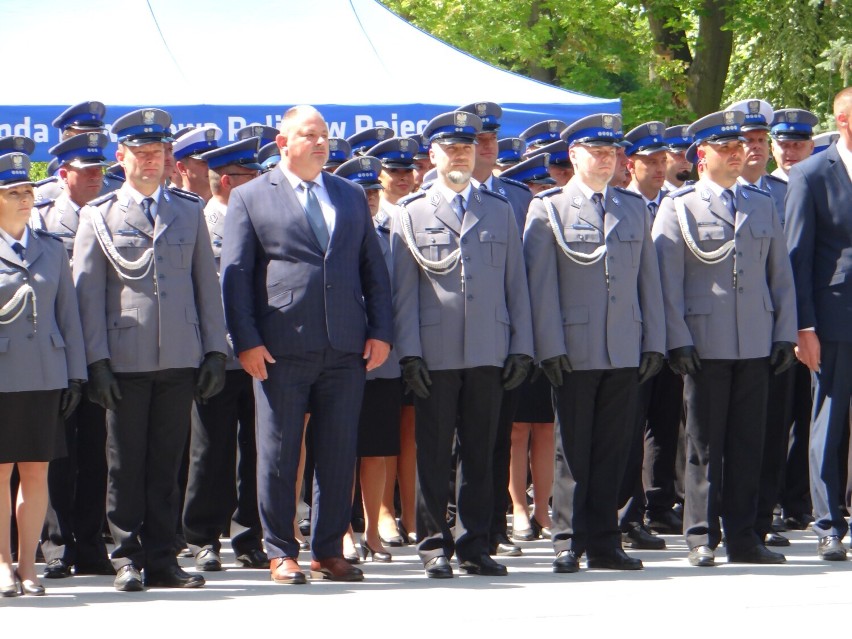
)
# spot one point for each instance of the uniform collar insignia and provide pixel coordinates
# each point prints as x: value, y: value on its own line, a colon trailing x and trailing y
x: 476, y: 195
x: 576, y: 201
x: 501, y: 191
x: 705, y: 195
x: 615, y: 200
x: 436, y: 199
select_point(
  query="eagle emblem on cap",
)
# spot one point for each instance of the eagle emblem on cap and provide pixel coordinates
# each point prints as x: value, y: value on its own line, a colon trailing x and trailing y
x: 17, y: 160
x: 210, y: 135
x: 93, y: 139
x: 552, y: 126
x: 607, y: 121
x: 365, y: 163
x: 516, y: 144
x: 381, y: 134
x: 729, y: 116
x: 792, y: 116
x: 147, y: 117
x: 332, y: 144
x: 461, y: 118
x: 653, y: 128
x: 754, y: 107
x: 684, y: 131
x: 481, y: 109
x: 19, y: 144
x: 257, y: 130
x: 403, y: 144
x: 93, y: 107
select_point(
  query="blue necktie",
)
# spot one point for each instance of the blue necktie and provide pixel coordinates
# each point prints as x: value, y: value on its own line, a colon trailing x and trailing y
x: 652, y: 209
x: 728, y: 199
x: 597, y: 200
x: 458, y: 206
x: 313, y: 210
x: 146, y: 209
x: 19, y: 249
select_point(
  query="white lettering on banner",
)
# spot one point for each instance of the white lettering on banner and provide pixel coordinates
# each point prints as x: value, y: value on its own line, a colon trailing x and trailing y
x: 401, y: 128
x: 38, y: 132
x: 337, y: 129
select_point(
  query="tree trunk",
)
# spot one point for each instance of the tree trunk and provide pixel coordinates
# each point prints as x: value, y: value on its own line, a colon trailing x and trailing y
x: 711, y: 58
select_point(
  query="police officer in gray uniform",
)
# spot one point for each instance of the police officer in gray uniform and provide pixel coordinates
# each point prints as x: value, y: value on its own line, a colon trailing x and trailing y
x: 86, y: 117
x: 462, y: 324
x: 597, y: 319
x: 154, y: 329
x: 226, y: 421
x: 730, y: 321
x: 783, y: 393
x: 76, y: 483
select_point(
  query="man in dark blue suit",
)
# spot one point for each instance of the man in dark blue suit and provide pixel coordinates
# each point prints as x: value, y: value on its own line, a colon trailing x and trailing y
x: 819, y: 237
x: 308, y: 305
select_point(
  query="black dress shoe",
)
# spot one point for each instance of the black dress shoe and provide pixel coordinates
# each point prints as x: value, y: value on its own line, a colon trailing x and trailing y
x: 615, y: 559
x: 254, y: 558
x: 566, y: 561
x: 438, y: 568
x: 758, y: 554
x: 208, y: 560
x: 104, y: 567
x: 640, y: 538
x: 305, y: 527
x: 128, y: 579
x: 483, y: 565
x: 503, y: 547
x: 775, y: 539
x: 702, y: 557
x: 665, y: 523
x: 798, y: 522
x: 830, y: 548
x: 172, y: 577
x: 778, y: 524
x: 57, y: 569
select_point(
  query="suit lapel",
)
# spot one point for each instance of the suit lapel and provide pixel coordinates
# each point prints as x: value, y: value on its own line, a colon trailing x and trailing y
x: 744, y: 207
x: 614, y: 212
x: 475, y: 211
x: 444, y: 212
x: 340, y: 218
x: 133, y: 214
x: 298, y: 217
x: 715, y: 205
x: 9, y: 255
x: 165, y: 212
x: 838, y: 169
x: 34, y: 248
x: 587, y: 211
x: 68, y: 217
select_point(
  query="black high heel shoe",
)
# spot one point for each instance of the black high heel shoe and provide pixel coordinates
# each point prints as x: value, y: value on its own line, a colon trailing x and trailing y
x: 381, y: 557
x: 538, y: 530
x: 397, y: 541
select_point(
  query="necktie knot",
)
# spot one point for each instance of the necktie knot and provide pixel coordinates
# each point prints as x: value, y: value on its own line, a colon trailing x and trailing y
x: 596, y: 198
x: 652, y: 208
x: 19, y: 249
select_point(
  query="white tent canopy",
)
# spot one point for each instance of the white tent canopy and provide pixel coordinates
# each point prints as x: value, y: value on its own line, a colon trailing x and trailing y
x: 222, y: 58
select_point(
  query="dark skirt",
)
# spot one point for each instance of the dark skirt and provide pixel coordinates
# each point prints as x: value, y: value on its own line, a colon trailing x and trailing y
x: 378, y: 427
x: 536, y: 404
x: 31, y: 428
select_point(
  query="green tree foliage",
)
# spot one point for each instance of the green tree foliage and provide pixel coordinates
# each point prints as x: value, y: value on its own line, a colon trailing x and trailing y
x: 666, y: 59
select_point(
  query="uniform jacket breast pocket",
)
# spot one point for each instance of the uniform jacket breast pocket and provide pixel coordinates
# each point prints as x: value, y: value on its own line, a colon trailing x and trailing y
x: 433, y: 245
x: 131, y: 244
x: 181, y: 247
x: 631, y: 238
x: 710, y: 236
x: 582, y: 235
x: 494, y: 247
x: 762, y: 234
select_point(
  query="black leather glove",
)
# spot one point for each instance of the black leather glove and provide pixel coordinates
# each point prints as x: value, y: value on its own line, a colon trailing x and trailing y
x: 103, y: 386
x: 684, y: 360
x: 211, y: 376
x: 416, y: 376
x: 650, y: 364
x: 553, y: 368
x: 70, y: 398
x: 782, y: 356
x: 515, y: 370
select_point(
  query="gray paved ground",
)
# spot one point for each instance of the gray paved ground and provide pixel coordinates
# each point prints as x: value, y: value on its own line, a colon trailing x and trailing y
x: 669, y: 598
